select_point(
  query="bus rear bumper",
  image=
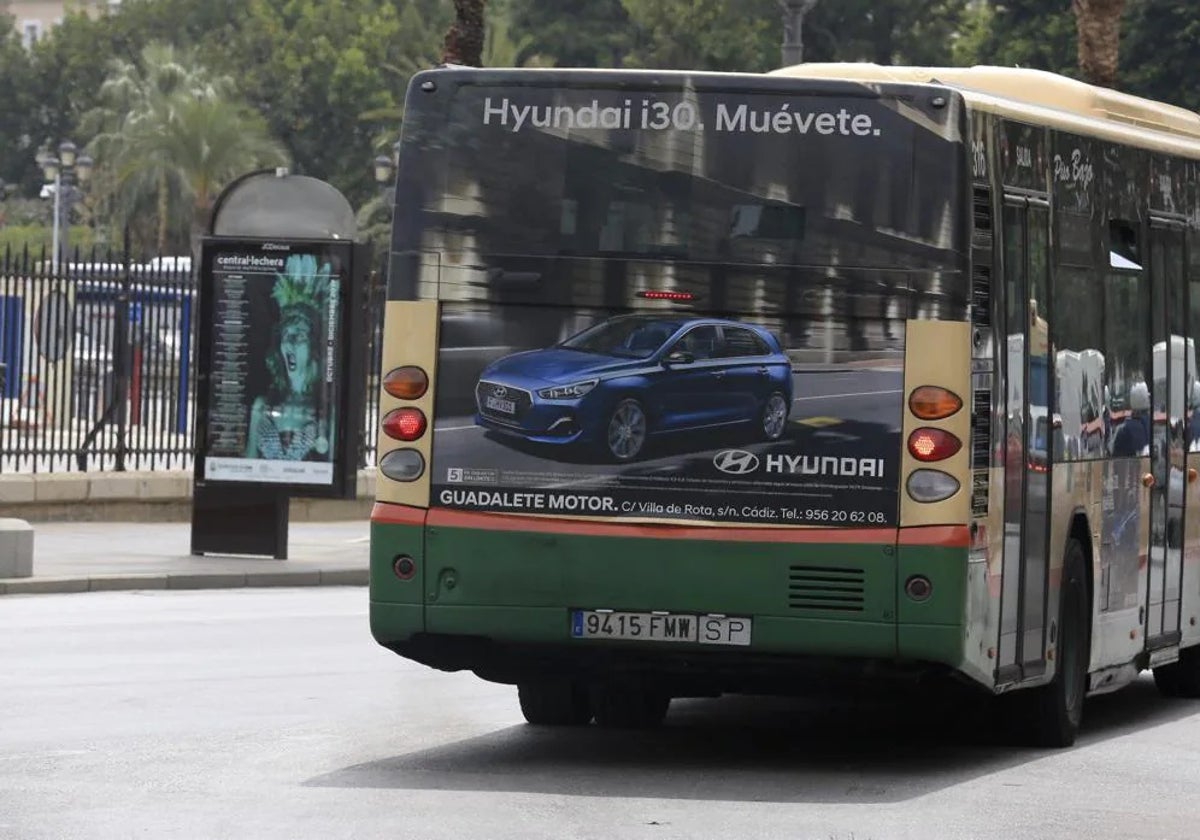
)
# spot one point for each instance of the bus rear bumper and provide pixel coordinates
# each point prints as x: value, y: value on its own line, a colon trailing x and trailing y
x: 506, y: 644
x: 682, y: 672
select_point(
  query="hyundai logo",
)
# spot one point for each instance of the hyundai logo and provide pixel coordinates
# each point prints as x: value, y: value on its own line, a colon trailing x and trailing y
x: 735, y: 461
x: 499, y: 391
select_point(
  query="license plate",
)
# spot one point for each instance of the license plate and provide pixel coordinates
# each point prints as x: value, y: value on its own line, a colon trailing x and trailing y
x: 503, y: 406
x: 661, y: 627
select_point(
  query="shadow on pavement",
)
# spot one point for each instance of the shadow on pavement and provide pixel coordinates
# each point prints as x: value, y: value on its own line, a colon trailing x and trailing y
x: 844, y: 749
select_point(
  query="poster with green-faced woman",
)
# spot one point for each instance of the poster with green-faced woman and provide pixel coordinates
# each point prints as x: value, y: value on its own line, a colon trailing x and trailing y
x: 287, y: 421
x: 273, y: 406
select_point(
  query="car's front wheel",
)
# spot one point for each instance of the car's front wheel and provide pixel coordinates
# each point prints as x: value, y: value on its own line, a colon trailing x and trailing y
x: 627, y: 430
x: 773, y: 420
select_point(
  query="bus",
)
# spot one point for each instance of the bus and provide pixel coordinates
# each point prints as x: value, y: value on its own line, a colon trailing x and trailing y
x: 705, y: 383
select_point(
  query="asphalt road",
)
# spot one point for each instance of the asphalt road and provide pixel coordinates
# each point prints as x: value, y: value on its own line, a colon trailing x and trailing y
x: 272, y: 714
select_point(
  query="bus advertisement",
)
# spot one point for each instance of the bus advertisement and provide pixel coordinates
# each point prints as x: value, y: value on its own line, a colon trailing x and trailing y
x: 701, y: 383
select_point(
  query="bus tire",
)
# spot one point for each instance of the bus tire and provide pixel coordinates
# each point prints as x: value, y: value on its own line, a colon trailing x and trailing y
x: 1049, y: 715
x: 1182, y: 677
x: 629, y: 705
x: 554, y: 703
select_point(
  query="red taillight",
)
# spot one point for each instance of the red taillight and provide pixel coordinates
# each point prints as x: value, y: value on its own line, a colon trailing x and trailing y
x: 931, y: 402
x: 1039, y: 467
x: 405, y: 424
x: 659, y: 295
x: 932, y: 444
x: 406, y: 383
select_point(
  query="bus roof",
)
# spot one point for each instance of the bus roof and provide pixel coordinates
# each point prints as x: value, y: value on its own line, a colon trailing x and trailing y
x: 1039, y: 97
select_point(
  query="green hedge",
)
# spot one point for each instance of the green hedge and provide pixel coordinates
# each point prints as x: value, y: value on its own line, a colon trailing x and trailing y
x: 37, y: 238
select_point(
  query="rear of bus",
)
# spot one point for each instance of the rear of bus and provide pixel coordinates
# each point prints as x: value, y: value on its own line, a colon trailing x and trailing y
x: 677, y: 374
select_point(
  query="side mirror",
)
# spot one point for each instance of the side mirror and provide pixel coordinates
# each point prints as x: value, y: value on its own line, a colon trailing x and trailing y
x: 679, y: 357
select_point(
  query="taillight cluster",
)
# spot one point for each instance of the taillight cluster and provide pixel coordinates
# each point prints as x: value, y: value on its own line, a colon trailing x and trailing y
x: 406, y: 424
x: 929, y: 444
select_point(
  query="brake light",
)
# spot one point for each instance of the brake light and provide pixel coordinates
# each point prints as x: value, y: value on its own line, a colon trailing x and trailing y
x: 405, y: 424
x: 406, y: 383
x: 661, y: 295
x: 931, y: 402
x: 928, y: 444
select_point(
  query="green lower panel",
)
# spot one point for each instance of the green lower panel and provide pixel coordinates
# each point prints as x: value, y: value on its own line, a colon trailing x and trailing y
x: 806, y: 599
x: 396, y: 622
x: 934, y: 629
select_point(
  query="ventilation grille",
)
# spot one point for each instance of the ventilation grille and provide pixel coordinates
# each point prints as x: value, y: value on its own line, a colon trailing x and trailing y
x: 981, y: 294
x: 981, y: 259
x: 825, y: 588
x: 982, y: 233
x: 981, y: 446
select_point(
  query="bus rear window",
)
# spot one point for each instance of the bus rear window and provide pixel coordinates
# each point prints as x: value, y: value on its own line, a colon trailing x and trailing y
x: 701, y: 175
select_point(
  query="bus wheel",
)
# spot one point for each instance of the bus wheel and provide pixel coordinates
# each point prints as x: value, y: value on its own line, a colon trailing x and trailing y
x: 554, y: 703
x: 1182, y: 677
x: 1048, y: 716
x: 629, y: 705
x: 625, y: 434
x: 773, y: 422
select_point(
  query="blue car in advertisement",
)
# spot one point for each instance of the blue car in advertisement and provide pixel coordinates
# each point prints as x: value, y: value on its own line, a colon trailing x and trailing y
x: 631, y: 378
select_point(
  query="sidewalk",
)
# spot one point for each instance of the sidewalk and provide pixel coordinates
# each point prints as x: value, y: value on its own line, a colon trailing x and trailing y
x: 97, y: 556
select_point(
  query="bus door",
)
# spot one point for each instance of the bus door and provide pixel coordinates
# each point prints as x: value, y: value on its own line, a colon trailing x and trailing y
x: 1169, y: 391
x: 1030, y: 432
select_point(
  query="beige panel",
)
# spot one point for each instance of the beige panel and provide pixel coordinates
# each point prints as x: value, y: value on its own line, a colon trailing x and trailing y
x: 1190, y: 616
x: 938, y: 353
x: 410, y: 330
x: 1040, y: 98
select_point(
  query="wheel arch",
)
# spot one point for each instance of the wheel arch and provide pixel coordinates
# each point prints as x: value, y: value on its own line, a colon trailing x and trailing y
x: 1080, y: 531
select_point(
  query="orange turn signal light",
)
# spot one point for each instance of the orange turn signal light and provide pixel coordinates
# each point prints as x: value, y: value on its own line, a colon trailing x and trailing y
x: 406, y: 424
x: 932, y: 402
x: 406, y: 383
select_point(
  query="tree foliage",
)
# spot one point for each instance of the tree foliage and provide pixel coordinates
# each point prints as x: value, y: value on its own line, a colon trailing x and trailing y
x: 18, y: 107
x: 573, y: 33
x: 168, y: 135
x: 705, y: 34
x: 918, y: 32
x: 1160, y: 51
x: 328, y: 79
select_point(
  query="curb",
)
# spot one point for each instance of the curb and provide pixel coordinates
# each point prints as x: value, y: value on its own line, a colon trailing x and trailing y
x: 181, y: 581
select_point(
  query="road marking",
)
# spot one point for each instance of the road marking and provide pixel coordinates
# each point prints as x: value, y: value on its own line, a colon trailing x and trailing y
x: 818, y: 422
x: 454, y: 428
x: 853, y: 394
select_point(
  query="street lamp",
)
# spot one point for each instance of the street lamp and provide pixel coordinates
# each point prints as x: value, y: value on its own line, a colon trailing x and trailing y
x: 385, y: 173
x: 61, y: 174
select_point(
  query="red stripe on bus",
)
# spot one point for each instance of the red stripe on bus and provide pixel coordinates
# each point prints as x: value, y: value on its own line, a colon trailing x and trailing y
x: 943, y: 536
x: 386, y: 513
x: 503, y: 522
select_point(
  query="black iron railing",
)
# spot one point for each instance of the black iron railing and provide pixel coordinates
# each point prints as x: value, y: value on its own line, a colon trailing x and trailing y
x: 97, y: 362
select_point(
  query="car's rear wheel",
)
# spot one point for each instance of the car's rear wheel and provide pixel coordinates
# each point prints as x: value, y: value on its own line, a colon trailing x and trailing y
x: 627, y: 430
x: 773, y: 421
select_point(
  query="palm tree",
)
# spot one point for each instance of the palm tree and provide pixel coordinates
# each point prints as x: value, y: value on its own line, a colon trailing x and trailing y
x: 1099, y: 25
x: 464, y: 41
x: 169, y: 136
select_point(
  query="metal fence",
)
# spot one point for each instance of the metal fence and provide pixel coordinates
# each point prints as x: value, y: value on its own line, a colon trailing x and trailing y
x: 97, y: 363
